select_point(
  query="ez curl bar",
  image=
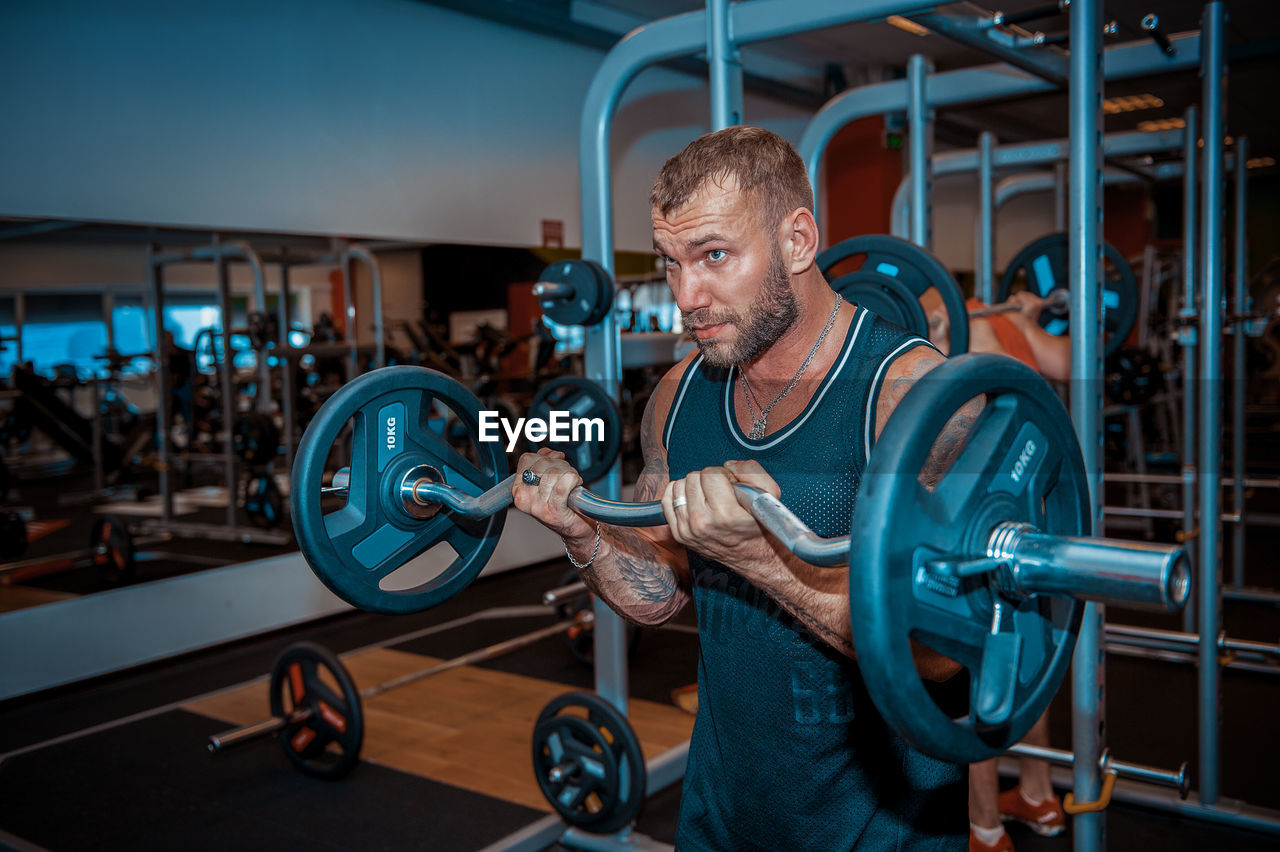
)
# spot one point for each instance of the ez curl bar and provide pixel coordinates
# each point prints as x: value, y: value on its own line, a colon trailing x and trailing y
x: 988, y: 566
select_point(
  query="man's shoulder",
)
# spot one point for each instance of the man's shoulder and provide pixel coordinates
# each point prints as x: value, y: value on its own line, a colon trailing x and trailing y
x: 664, y: 395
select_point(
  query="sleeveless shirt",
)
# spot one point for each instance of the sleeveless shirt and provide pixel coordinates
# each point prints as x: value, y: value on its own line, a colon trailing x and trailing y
x: 788, y: 752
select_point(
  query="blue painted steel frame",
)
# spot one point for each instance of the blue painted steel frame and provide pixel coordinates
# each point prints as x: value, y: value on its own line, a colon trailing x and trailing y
x: 1213, y: 76
x: 680, y: 35
x: 920, y: 150
x: 986, y: 82
x: 1241, y: 304
x: 985, y: 248
x: 1187, y: 339
x: 1084, y: 265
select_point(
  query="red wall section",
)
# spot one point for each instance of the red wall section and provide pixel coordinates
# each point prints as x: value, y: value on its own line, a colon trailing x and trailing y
x: 1126, y: 223
x: 861, y: 177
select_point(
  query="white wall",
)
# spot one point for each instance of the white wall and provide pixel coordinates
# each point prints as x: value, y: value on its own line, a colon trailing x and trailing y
x: 370, y: 118
x: 955, y: 217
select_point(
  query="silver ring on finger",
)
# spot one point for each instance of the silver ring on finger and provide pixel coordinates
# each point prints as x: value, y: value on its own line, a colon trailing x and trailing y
x: 678, y: 502
x: 530, y: 478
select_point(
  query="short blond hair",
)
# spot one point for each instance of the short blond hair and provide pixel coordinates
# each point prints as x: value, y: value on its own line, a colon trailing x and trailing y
x: 764, y: 165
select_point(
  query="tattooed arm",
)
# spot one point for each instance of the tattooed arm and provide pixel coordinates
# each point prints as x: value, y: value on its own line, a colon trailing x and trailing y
x: 640, y: 572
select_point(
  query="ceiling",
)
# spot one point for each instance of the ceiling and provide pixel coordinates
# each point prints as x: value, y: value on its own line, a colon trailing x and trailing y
x: 866, y: 52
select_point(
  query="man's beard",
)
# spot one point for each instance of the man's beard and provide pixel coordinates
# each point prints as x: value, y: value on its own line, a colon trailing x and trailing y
x: 771, y: 313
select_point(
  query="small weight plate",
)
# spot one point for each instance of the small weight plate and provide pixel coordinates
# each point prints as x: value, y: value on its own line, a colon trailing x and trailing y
x: 1020, y: 462
x: 380, y: 425
x: 1132, y: 376
x: 916, y: 268
x: 262, y: 502
x: 111, y: 548
x: 588, y: 763
x: 580, y: 398
x: 256, y: 438
x: 1042, y: 267
x: 327, y: 743
x: 593, y: 291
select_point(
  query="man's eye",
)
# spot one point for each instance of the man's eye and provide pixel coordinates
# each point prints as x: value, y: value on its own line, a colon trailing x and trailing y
x: 716, y: 255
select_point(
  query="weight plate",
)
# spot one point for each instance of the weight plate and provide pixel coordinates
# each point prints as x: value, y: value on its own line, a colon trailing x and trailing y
x: 1132, y: 376
x: 262, y: 502
x: 357, y: 548
x: 256, y: 438
x: 1041, y: 267
x: 915, y: 267
x: 112, y: 550
x: 580, y: 398
x: 592, y: 292
x: 1020, y: 462
x: 580, y: 640
x: 886, y: 297
x: 327, y: 742
x: 591, y: 768
x: 13, y: 535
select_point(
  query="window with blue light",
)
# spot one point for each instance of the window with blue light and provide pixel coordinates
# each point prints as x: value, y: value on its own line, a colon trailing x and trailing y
x: 64, y: 329
x: 8, y: 330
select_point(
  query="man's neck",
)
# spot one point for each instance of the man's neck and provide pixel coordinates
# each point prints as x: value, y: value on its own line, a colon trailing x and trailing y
x: 780, y: 362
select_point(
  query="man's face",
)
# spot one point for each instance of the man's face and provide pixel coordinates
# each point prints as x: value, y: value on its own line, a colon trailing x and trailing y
x: 726, y: 273
x: 939, y: 321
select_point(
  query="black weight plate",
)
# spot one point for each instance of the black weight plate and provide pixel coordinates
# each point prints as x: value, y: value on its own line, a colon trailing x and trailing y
x: 914, y: 267
x: 357, y: 548
x: 1132, y: 376
x: 593, y: 291
x: 111, y: 548
x: 1020, y: 463
x: 256, y: 438
x: 581, y: 398
x: 13, y: 535
x: 263, y: 502
x: 580, y: 640
x: 1042, y: 267
x: 327, y: 743
x: 601, y: 787
x: 885, y: 296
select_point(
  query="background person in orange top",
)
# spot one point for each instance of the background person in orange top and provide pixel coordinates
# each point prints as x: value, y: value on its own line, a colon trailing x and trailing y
x: 1032, y: 802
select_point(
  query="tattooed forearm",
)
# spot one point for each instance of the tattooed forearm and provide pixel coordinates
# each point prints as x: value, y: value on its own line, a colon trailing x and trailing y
x: 947, y: 446
x: 649, y: 580
x: 637, y: 572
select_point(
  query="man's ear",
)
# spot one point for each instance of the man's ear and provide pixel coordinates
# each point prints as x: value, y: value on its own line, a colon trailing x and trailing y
x: 799, y: 235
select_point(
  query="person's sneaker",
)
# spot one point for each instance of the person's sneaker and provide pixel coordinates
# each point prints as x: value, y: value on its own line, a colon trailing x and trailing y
x: 1003, y: 844
x: 1045, y: 818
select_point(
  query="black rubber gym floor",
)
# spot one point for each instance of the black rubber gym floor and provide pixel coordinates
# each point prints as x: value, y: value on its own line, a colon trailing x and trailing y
x: 150, y: 784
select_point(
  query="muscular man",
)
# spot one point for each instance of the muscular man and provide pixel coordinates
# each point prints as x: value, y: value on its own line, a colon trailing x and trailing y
x: 1033, y: 802
x: 788, y: 389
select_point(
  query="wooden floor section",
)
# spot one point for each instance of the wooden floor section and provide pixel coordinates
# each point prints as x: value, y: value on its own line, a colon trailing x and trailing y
x: 470, y: 727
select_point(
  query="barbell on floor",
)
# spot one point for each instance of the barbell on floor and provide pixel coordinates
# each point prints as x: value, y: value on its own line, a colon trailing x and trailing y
x: 341, y: 717
x: 988, y: 566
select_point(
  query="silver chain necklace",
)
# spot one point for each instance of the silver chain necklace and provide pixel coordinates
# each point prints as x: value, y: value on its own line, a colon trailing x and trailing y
x: 760, y: 423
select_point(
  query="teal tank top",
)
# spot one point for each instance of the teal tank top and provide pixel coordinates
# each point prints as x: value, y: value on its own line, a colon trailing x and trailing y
x: 788, y: 753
